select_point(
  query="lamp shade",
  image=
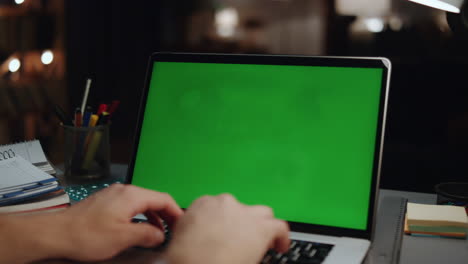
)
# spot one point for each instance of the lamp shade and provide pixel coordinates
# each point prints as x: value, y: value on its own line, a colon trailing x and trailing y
x: 453, y: 6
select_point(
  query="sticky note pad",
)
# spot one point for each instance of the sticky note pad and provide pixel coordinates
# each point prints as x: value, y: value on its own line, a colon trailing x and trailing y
x: 436, y: 220
x: 437, y: 215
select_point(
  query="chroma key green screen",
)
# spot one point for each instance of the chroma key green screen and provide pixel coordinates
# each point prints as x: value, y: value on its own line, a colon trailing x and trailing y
x: 300, y: 139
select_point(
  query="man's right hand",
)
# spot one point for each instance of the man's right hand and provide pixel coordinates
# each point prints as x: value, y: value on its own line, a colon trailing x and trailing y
x: 219, y: 229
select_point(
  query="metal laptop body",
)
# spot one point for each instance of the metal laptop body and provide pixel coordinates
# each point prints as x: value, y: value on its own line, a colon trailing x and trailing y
x: 192, y: 110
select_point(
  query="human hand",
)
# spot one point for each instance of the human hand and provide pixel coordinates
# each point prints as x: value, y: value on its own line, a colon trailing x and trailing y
x: 100, y: 227
x: 221, y: 230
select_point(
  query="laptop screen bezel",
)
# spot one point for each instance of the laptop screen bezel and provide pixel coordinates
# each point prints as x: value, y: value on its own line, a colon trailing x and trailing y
x: 358, y: 62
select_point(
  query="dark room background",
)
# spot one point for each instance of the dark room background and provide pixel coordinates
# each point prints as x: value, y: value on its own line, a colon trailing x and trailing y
x: 110, y: 42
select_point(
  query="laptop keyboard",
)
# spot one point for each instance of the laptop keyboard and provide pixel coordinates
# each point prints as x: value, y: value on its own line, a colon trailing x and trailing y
x: 300, y: 252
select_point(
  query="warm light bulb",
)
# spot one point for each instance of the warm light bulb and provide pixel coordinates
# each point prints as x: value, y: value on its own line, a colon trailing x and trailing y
x: 47, y: 57
x: 14, y: 65
x: 19, y: 2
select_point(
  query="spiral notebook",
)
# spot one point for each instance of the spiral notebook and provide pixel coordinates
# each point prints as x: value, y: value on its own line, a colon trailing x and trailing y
x: 29, y: 150
x: 21, y: 181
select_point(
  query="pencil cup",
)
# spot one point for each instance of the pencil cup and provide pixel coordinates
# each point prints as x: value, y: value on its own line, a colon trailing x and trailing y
x: 86, y: 152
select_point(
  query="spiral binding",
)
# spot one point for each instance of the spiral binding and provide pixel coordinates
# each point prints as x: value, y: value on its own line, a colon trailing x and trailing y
x: 10, y: 152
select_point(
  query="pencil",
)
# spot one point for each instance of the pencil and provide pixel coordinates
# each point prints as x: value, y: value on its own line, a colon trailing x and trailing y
x: 85, y: 96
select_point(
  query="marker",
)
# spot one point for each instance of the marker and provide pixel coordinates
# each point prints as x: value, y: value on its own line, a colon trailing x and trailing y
x: 113, y: 107
x: 95, y: 141
x: 87, y: 116
x: 78, y: 117
x: 93, y: 120
x: 92, y: 123
x: 101, y: 108
x: 85, y: 96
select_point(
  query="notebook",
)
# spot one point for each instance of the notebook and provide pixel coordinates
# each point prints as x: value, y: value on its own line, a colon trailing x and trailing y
x: 31, y: 151
x: 20, y: 181
x: 303, y: 135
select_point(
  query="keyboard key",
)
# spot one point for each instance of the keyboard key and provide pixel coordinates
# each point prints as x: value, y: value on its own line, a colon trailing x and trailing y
x: 312, y: 253
x: 300, y: 252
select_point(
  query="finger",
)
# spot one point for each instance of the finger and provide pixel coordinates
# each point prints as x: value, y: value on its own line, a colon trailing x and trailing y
x: 279, y: 231
x: 144, y: 200
x: 154, y: 219
x: 169, y: 219
x: 261, y: 211
x: 144, y: 235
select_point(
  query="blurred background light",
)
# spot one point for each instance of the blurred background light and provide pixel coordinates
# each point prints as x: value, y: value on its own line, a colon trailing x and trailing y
x: 14, y: 65
x: 395, y: 23
x: 47, y: 57
x: 19, y: 2
x: 226, y: 21
x: 374, y: 25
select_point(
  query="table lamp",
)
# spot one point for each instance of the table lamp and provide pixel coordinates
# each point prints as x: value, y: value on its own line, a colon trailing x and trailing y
x: 453, y: 6
x: 457, y: 11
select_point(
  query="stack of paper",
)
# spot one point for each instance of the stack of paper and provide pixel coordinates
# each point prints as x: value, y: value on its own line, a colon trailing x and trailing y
x: 436, y: 220
x: 21, y: 181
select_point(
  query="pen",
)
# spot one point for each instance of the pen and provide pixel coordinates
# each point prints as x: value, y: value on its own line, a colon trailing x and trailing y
x: 78, y: 117
x: 62, y: 116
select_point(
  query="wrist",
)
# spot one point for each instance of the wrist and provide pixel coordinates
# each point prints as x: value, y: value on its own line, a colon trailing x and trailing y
x: 56, y: 235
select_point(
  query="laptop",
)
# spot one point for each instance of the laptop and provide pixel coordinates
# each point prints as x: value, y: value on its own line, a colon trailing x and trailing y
x: 303, y: 135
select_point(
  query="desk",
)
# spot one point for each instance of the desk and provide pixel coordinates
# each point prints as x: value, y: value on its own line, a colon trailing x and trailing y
x: 414, y: 249
x: 425, y: 249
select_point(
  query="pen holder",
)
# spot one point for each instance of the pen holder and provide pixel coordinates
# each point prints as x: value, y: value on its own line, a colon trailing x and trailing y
x: 86, y: 152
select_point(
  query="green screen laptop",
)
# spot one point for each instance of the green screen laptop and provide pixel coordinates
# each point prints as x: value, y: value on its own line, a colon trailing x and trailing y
x: 302, y: 135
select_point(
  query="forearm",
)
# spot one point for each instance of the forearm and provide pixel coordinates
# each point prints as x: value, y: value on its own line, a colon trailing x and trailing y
x: 32, y: 237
